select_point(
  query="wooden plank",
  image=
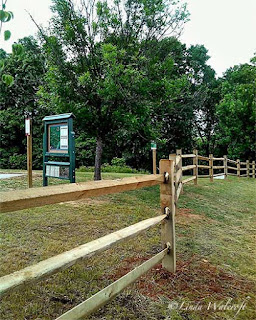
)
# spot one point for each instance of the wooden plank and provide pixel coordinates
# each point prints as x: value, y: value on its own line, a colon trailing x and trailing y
x: 203, y: 176
x: 218, y: 167
x: 238, y: 167
x: 203, y: 166
x: 167, y: 200
x: 192, y: 166
x: 66, y: 259
x: 37, y: 197
x: 243, y: 169
x: 195, y: 162
x: 179, y: 190
x: 178, y: 175
x: 231, y: 161
x: 232, y: 174
x: 225, y: 163
x: 203, y: 158
x: 215, y: 159
x: 211, y: 167
x: 248, y: 168
x: 192, y: 155
x: 177, y: 182
x: 243, y: 163
x: 105, y: 295
x: 154, y: 160
x: 233, y: 168
x: 188, y: 179
x: 243, y: 175
x: 178, y: 159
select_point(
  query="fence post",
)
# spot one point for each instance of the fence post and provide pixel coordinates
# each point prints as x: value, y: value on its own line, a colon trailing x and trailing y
x: 238, y: 167
x: 211, y: 167
x: 225, y: 164
x: 195, y: 162
x: 253, y: 169
x: 167, y: 194
x: 179, y: 166
x: 248, y: 168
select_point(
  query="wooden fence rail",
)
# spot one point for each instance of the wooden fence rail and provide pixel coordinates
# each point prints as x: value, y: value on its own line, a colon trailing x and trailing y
x: 171, y: 183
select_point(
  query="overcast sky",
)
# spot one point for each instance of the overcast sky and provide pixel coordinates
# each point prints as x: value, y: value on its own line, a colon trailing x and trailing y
x: 227, y: 28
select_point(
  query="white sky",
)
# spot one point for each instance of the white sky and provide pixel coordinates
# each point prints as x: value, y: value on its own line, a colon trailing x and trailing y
x: 227, y: 28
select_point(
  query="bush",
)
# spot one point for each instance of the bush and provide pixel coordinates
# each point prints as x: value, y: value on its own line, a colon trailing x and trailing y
x: 118, y: 162
x: 112, y: 168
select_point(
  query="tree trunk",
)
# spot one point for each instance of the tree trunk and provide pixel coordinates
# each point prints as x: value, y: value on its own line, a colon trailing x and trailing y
x: 98, y: 155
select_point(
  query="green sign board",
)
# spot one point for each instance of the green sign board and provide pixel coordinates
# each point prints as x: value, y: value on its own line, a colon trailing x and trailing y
x: 153, y: 145
x: 59, y: 141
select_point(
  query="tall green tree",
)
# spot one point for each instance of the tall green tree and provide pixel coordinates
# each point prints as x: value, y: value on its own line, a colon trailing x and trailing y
x: 237, y: 112
x: 27, y: 68
x: 96, y: 62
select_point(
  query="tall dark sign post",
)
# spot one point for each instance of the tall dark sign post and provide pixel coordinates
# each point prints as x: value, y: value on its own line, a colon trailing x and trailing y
x: 59, y: 142
x: 28, y: 132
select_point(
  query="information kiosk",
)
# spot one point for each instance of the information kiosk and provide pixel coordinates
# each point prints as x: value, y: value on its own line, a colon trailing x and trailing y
x: 58, y: 145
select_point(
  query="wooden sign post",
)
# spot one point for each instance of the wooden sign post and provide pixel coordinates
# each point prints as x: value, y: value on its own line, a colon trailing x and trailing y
x: 28, y: 132
x: 153, y: 148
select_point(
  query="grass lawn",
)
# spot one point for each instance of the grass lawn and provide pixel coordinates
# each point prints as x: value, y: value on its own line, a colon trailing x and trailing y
x: 215, y: 226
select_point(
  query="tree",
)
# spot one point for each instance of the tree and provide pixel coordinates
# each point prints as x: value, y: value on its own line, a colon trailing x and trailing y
x: 27, y: 69
x: 237, y: 111
x: 96, y: 62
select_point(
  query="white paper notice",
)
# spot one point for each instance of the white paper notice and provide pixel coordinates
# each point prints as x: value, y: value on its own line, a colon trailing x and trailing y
x: 27, y: 127
x: 64, y: 137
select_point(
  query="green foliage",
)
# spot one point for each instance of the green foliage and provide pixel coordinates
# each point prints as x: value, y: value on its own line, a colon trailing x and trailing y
x: 237, y: 112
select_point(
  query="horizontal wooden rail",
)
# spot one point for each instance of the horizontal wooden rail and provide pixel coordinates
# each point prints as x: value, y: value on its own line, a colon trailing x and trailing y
x: 37, y: 197
x: 188, y: 155
x: 102, y: 297
x: 188, y: 179
x: 218, y: 167
x: 233, y: 168
x: 244, y: 163
x: 242, y: 169
x: 232, y: 174
x: 203, y: 176
x: 203, y: 158
x: 215, y: 159
x: 232, y: 161
x: 68, y: 258
x: 243, y: 175
x: 203, y: 166
x: 192, y: 166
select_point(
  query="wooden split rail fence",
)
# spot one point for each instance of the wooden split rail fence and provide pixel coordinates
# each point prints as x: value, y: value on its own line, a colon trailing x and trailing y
x: 171, y: 183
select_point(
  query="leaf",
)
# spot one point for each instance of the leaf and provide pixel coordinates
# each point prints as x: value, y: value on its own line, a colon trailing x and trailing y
x: 8, y: 79
x: 2, y: 15
x: 7, y: 35
x: 17, y: 49
x: 1, y: 64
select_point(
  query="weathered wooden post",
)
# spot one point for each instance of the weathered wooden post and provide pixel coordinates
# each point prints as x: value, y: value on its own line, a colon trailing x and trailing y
x: 253, y: 169
x: 238, y: 167
x: 167, y: 194
x: 28, y: 132
x: 195, y: 162
x: 225, y: 164
x: 153, y: 148
x: 248, y: 168
x: 179, y: 167
x: 211, y: 167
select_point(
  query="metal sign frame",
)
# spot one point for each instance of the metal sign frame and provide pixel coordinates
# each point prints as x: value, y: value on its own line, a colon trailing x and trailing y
x: 53, y: 168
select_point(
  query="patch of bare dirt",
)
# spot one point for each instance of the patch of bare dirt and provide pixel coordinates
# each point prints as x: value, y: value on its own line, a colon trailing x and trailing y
x: 196, y: 279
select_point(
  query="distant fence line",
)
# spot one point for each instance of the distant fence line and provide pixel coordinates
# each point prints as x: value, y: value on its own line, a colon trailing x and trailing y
x: 171, y: 181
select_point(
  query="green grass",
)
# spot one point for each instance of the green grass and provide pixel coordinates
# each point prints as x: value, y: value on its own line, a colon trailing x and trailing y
x: 216, y: 253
